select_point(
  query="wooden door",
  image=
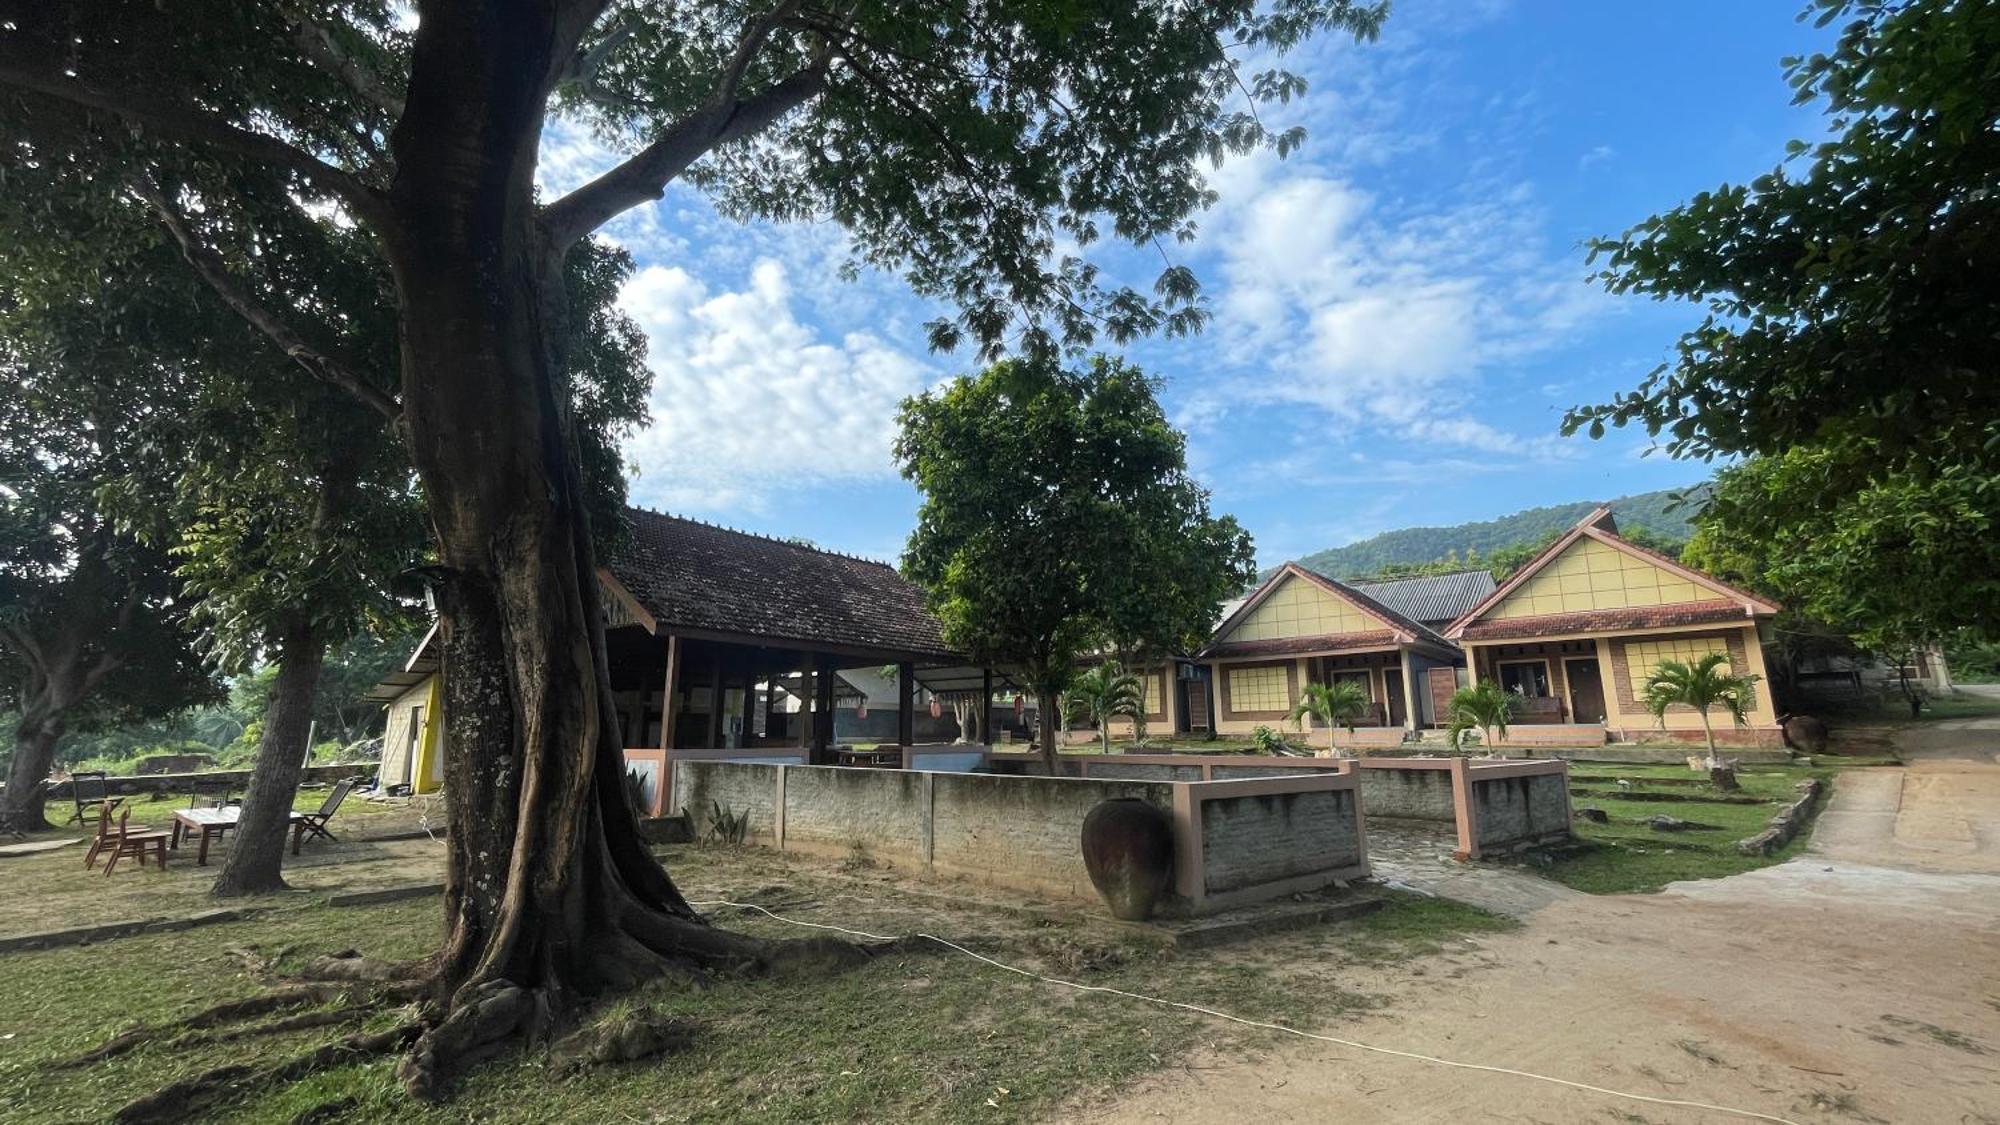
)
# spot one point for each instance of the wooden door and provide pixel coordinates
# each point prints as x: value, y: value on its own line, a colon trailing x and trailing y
x: 1442, y: 684
x: 1586, y: 690
x: 1392, y: 688
x: 1194, y: 704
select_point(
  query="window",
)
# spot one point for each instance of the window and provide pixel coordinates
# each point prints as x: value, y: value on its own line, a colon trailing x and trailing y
x: 1641, y: 657
x: 1362, y: 679
x: 1528, y: 678
x: 1153, y: 692
x: 1259, y: 689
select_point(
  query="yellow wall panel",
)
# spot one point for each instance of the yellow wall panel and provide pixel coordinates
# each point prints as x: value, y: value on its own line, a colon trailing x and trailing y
x: 1298, y: 608
x: 1591, y: 575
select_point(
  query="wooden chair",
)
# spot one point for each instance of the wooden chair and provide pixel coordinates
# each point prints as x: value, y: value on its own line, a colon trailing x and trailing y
x: 88, y: 789
x: 314, y: 823
x: 129, y: 841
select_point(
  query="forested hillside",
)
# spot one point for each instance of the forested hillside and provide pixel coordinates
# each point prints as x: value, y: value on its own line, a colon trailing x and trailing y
x: 1413, y: 545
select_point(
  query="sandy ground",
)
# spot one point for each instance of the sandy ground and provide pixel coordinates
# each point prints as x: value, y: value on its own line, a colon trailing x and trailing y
x: 1857, y: 983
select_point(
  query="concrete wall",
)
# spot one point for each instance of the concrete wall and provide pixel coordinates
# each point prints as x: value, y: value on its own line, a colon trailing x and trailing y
x: 208, y: 781
x: 1235, y: 841
x: 1408, y: 794
x: 701, y: 788
x: 1253, y: 840
x: 1421, y: 789
x: 1517, y: 810
x: 1025, y: 833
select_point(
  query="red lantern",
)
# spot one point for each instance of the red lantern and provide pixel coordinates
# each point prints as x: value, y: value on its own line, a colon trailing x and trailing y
x: 936, y: 707
x: 861, y: 712
x: 1020, y: 705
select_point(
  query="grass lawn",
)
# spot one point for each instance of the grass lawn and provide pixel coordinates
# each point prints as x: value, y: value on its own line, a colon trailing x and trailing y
x: 1628, y: 855
x: 918, y: 1036
x: 1962, y: 705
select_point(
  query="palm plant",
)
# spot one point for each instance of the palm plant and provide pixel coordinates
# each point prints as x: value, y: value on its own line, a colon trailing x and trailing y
x: 1337, y: 704
x: 1104, y: 693
x: 1485, y: 705
x: 1703, y: 684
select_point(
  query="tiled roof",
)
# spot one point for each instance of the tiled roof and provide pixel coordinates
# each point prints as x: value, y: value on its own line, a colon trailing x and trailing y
x: 1605, y: 620
x: 1291, y: 646
x: 1435, y: 599
x: 697, y: 576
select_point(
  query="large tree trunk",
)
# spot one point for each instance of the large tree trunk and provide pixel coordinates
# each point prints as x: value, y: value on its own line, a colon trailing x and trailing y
x: 254, y: 862
x: 35, y: 737
x: 551, y: 894
x: 55, y: 686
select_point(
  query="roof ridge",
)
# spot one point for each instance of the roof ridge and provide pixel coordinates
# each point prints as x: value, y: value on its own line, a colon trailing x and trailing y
x: 1421, y: 577
x: 781, y: 541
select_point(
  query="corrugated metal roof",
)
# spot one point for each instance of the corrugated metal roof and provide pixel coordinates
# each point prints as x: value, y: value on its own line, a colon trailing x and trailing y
x: 1433, y: 599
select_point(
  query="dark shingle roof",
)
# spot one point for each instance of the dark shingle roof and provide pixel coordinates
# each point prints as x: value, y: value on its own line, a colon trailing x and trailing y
x: 697, y: 576
x: 1436, y: 599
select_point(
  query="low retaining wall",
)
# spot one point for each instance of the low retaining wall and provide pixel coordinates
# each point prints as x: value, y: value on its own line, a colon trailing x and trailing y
x: 1788, y: 823
x: 1167, y: 767
x: 1655, y: 755
x: 1235, y: 841
x: 1513, y: 803
x: 207, y: 780
x: 1492, y: 805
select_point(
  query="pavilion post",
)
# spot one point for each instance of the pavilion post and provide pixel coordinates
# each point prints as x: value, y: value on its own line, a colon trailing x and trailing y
x: 985, y: 708
x: 1409, y: 690
x: 822, y: 710
x: 749, y: 702
x: 671, y: 686
x: 906, y: 703
x: 715, y: 702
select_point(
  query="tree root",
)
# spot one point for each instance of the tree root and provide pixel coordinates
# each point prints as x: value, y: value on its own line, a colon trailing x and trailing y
x: 350, y: 965
x: 191, y: 1030
x: 621, y: 1037
x: 192, y: 1097
x: 485, y: 1023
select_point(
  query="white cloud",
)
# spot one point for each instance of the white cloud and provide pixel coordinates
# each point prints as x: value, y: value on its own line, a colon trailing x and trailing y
x: 1385, y: 312
x: 1598, y: 155
x: 748, y: 400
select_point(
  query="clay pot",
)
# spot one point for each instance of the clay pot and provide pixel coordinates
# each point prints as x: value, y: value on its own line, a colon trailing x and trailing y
x: 1128, y: 848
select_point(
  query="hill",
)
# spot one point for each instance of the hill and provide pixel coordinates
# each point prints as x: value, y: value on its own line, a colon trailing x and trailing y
x: 1648, y: 510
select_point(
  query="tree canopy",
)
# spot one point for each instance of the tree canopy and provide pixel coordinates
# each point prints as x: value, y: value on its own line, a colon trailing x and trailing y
x: 92, y: 622
x: 959, y: 146
x: 1848, y: 344
x: 1059, y: 519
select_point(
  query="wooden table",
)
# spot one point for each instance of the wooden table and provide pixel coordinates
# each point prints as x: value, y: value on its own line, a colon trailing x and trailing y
x: 210, y: 824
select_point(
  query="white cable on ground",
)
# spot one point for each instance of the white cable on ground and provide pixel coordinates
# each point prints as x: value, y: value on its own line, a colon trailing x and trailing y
x: 1750, y: 1114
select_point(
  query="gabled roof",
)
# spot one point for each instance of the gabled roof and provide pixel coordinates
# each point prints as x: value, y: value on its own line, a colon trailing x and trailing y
x: 1396, y: 628
x: 1731, y: 602
x: 1433, y: 599
x: 698, y: 578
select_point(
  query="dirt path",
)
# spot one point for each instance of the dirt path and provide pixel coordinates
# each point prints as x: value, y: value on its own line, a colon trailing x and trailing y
x: 1858, y: 983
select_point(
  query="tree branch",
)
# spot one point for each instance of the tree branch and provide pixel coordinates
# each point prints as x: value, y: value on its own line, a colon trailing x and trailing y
x: 212, y: 270
x: 24, y: 643
x: 325, y: 51
x: 197, y: 126
x: 723, y: 118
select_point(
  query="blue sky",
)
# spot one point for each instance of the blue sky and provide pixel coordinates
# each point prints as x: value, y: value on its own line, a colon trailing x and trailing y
x: 1402, y: 309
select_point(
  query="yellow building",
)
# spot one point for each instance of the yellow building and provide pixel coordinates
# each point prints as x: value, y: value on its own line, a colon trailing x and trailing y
x: 1299, y: 628
x: 410, y: 735
x: 1577, y: 631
